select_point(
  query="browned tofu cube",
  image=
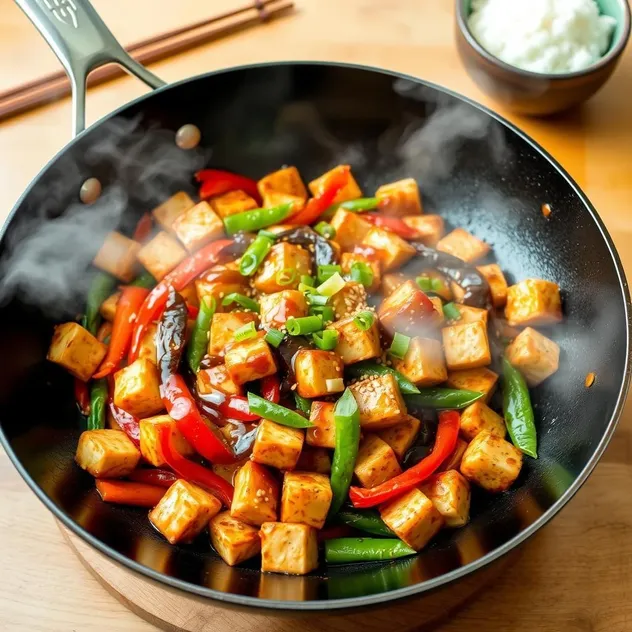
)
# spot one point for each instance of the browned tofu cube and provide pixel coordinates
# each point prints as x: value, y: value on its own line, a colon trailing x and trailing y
x: 466, y: 346
x: 278, y: 307
x: 77, y: 350
x: 376, y: 462
x: 323, y: 433
x: 161, y: 255
x: 150, y: 439
x: 350, y: 228
x: 198, y: 226
x: 463, y: 245
x: 218, y: 282
x: 314, y: 460
x: 348, y: 259
x: 497, y: 283
x: 223, y: 328
x: 147, y: 348
x: 471, y: 315
x: 228, y: 471
x: 401, y: 436
x: 491, y: 462
x: 184, y: 512
x: 282, y: 187
x: 391, y: 281
x: 349, y: 300
x: 166, y: 213
x: 108, y: 307
x: 351, y: 191
x: 216, y: 379
x: 450, y: 494
x: 189, y: 294
x: 277, y: 446
x: 281, y: 258
x: 106, y: 453
x: 234, y: 540
x: 232, y: 203
x: 256, y: 495
x: 380, y: 403
x: 393, y: 251
x: 430, y: 228
x: 533, y: 302
x: 249, y: 360
x: 305, y: 498
x: 534, y: 355
x: 453, y: 462
x: 408, y: 311
x: 478, y: 417
x: 413, y: 518
x: 318, y: 373
x: 423, y: 363
x: 399, y: 198
x: 355, y: 344
x: 480, y: 380
x: 137, y: 389
x: 288, y: 548
x: 117, y: 256
x: 458, y: 293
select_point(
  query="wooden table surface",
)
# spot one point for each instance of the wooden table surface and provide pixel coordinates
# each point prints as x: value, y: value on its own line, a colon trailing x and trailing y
x: 576, y: 575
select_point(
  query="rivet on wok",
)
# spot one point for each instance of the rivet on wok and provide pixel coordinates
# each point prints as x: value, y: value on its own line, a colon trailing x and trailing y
x: 188, y: 136
x: 90, y: 191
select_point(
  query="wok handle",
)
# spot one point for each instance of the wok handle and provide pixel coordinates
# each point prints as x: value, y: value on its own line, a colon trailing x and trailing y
x: 82, y: 42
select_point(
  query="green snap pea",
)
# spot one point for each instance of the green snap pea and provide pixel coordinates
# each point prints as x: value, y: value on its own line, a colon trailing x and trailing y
x: 362, y: 369
x: 518, y: 410
x: 98, y: 402
x: 276, y: 412
x: 443, y: 398
x: 367, y: 520
x: 101, y: 287
x: 145, y: 280
x: 256, y: 219
x: 348, y: 550
x: 199, y: 337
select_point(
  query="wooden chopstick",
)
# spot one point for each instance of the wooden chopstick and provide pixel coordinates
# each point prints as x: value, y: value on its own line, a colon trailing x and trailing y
x: 54, y: 86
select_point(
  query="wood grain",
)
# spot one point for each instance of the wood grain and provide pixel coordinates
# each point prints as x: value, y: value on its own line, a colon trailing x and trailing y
x: 576, y: 574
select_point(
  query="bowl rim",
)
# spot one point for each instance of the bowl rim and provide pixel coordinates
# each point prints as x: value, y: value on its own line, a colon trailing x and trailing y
x: 614, y: 52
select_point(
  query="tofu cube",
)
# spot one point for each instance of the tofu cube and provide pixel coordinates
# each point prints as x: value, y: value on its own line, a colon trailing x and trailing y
x: 305, y: 498
x: 314, y: 460
x: 393, y: 251
x: 430, y: 228
x: 234, y: 540
x: 534, y: 355
x: 288, y: 548
x: 376, y: 462
x: 277, y: 446
x: 413, y: 518
x: 117, y: 256
x: 161, y: 255
x: 198, y: 226
x: 450, y: 494
x: 217, y: 379
x: 150, y: 439
x: 350, y: 228
x: 217, y: 290
x: 323, y: 433
x: 256, y: 495
x: 480, y: 380
x: 497, y: 283
x: 380, y: 402
x: 478, y: 417
x: 223, y: 328
x: 229, y: 471
x: 471, y: 315
x: 351, y: 191
x: 349, y: 300
x: 466, y: 346
x: 137, y: 389
x: 282, y: 187
x: 278, y: 307
x: 408, y: 311
x: 249, y: 360
x: 399, y: 198
x: 184, y: 512
x: 147, y: 348
x: 533, y: 302
x: 282, y: 256
x: 313, y: 368
x: 401, y: 436
x: 77, y: 350
x: 391, y: 281
x: 232, y: 203
x: 348, y: 259
x: 354, y: 344
x: 166, y: 213
x: 106, y: 453
x: 423, y: 363
x: 108, y: 307
x: 463, y: 245
x: 453, y: 462
x: 491, y: 462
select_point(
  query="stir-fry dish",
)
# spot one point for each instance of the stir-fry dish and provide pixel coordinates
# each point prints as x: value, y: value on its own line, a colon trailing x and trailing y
x: 303, y: 376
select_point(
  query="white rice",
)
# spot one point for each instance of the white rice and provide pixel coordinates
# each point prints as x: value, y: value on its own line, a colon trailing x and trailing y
x: 548, y: 36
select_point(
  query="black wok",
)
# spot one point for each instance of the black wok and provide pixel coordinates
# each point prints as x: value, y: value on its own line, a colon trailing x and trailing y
x: 474, y: 168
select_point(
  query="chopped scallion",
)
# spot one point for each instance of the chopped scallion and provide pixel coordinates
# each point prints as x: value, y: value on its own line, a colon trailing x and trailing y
x: 364, y: 320
x: 332, y: 285
x: 362, y: 272
x: 326, y: 271
x: 244, y: 301
x: 287, y: 276
x: 274, y: 337
x: 325, y: 229
x: 245, y: 332
x: 304, y: 325
x: 326, y: 340
x: 399, y: 346
x: 451, y: 312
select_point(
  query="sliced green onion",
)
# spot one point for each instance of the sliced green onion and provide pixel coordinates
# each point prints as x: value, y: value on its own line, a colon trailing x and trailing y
x: 254, y: 255
x: 437, y: 285
x: 399, y: 346
x: 256, y: 219
x: 362, y: 272
x: 274, y: 337
x: 326, y: 271
x: 245, y: 332
x: 276, y: 412
x: 424, y: 283
x: 325, y: 229
x: 287, y: 276
x: 268, y: 233
x: 332, y: 285
x: 304, y: 325
x: 245, y: 301
x: 364, y: 320
x: 325, y: 340
x: 302, y: 404
x: 307, y: 280
x: 360, y: 205
x: 326, y: 312
x: 317, y: 299
x: 451, y: 312
x: 335, y: 385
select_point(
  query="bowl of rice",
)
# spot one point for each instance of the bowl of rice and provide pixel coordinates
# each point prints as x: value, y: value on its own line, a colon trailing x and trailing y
x: 539, y: 57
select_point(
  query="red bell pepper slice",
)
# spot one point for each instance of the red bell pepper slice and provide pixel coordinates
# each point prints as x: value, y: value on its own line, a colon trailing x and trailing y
x: 160, y: 478
x: 217, y: 181
x: 192, y: 311
x: 447, y: 434
x: 178, y: 278
x: 317, y: 205
x: 82, y: 396
x: 271, y: 389
x: 194, y: 472
x: 128, y: 423
x: 394, y: 224
x: 143, y: 228
x: 126, y: 493
x: 236, y: 407
x: 126, y: 313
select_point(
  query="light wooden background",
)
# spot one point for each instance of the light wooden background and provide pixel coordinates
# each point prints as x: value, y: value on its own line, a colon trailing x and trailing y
x: 576, y: 575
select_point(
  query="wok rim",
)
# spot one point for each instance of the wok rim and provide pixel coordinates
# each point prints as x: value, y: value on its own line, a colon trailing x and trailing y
x: 351, y: 603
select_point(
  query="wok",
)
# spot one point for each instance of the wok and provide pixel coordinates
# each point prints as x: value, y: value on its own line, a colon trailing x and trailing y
x: 474, y: 168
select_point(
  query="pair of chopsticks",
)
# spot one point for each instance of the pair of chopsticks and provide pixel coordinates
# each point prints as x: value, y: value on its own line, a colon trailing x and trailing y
x: 32, y: 94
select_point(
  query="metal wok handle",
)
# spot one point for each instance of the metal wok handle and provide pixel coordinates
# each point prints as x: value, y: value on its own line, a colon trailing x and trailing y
x: 82, y: 42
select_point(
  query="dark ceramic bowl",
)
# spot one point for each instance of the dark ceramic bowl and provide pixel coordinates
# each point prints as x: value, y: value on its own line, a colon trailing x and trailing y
x: 536, y: 93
